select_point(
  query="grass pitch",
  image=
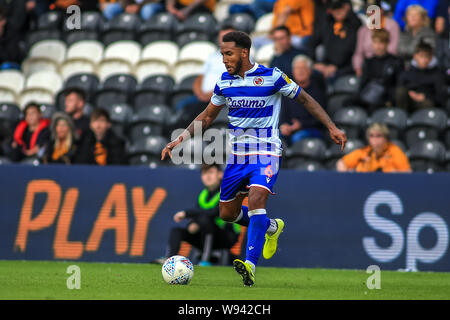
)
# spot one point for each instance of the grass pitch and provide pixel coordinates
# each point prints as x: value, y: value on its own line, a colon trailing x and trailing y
x: 48, y: 280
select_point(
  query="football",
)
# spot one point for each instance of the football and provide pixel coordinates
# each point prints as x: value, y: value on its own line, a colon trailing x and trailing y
x: 177, y: 270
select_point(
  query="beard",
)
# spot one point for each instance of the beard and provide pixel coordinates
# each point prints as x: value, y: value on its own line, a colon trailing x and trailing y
x: 238, y: 67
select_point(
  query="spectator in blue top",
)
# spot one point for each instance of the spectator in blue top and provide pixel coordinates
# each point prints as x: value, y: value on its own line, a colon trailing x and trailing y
x: 402, y: 5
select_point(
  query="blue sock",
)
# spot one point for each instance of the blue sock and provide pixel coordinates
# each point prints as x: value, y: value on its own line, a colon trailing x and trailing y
x: 255, y: 234
x: 243, y: 218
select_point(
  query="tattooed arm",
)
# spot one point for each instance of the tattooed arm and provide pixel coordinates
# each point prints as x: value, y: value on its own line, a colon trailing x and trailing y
x: 313, y: 107
x: 204, y: 119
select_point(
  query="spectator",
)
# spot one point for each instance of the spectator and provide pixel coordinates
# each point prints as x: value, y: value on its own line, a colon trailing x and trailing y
x: 31, y: 134
x: 85, y: 5
x: 74, y: 103
x: 422, y: 85
x: 364, y: 45
x: 257, y: 8
x: 284, y: 52
x: 380, y: 74
x: 402, y: 7
x: 380, y: 155
x: 296, y: 122
x: 10, y: 54
x: 203, y: 86
x: 298, y: 16
x: 62, y: 147
x: 146, y: 8
x: 100, y: 145
x: 442, y: 19
x: 338, y: 35
x: 416, y: 30
x: 184, y: 8
x: 205, y: 229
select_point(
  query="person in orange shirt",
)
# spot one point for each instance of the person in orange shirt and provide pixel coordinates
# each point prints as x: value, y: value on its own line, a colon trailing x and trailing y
x: 380, y: 155
x: 298, y: 16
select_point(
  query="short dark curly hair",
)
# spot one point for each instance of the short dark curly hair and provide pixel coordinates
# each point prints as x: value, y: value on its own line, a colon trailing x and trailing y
x: 241, y: 39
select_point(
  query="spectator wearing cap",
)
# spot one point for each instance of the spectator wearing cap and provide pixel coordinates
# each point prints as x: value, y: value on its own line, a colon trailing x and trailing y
x: 74, y: 103
x: 100, y: 145
x: 338, y: 34
x: 364, y: 47
x: 401, y: 8
x: 62, y: 146
x: 31, y: 134
x: 417, y: 30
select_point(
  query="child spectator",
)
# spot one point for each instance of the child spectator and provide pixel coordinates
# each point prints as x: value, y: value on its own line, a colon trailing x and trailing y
x: 422, y: 85
x: 31, y: 134
x: 364, y: 46
x: 62, y: 147
x: 380, y: 74
x: 100, y: 145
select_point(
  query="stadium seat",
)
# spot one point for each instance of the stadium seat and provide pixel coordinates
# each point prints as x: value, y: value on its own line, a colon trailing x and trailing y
x: 146, y: 160
x: 47, y: 110
x: 186, y: 68
x: 334, y: 153
x: 144, y: 97
x: 394, y: 118
x: 163, y: 50
x: 34, y: 37
x: 199, y: 22
x: 81, y: 35
x: 116, y: 89
x: 159, y: 82
x: 428, y: 166
x: 425, y: 124
x: 40, y: 87
x: 182, y: 89
x: 184, y: 38
x: 121, y: 27
x: 399, y: 144
x: 9, y: 112
x: 92, y: 21
x: 31, y: 161
x: 352, y: 120
x: 305, y: 165
x: 447, y: 134
x: 52, y: 20
x: 240, y: 21
x: 264, y: 54
x: 5, y: 160
x: 140, y: 130
x: 120, y: 113
x: 151, y: 67
x: 162, y: 24
x: 336, y: 102
x: 148, y: 145
x: 431, y: 150
x: 307, y: 148
x: 89, y: 83
x: 89, y: 50
x: 154, y: 113
x: 44, y: 55
x: 348, y: 84
x: 76, y: 66
x: 263, y: 26
x: 129, y: 51
x: 11, y: 83
x: 197, y: 50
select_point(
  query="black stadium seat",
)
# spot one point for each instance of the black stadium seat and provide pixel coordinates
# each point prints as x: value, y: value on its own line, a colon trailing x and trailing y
x: 118, y: 88
x: 120, y: 113
x: 200, y: 22
x: 425, y: 124
x: 307, y: 148
x: 240, y: 21
x: 184, y: 38
x: 9, y: 116
x: 39, y: 35
x: 140, y: 130
x: 427, y: 155
x: 334, y: 153
x: 352, y: 120
x: 305, y: 165
x: 159, y: 27
x: 122, y: 27
x: 161, y: 83
x: 394, y: 118
x: 52, y: 20
x: 148, y: 145
x: 156, y: 114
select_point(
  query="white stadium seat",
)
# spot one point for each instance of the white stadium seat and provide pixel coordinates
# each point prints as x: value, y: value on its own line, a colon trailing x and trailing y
x: 151, y: 67
x: 40, y: 87
x: 126, y: 50
x: 263, y: 25
x: 45, y: 55
x: 265, y: 54
x: 186, y: 68
x: 197, y: 50
x: 163, y: 50
x: 89, y: 49
x: 11, y: 83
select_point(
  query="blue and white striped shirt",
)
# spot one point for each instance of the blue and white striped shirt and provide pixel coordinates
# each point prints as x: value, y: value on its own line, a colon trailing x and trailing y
x: 254, y: 104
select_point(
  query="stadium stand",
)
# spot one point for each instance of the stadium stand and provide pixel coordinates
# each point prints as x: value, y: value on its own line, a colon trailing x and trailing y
x: 139, y: 70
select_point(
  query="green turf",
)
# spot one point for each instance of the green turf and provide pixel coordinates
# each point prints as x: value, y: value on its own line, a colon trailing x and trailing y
x: 47, y: 280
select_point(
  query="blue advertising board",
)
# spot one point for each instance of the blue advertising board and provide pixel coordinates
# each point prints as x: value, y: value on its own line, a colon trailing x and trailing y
x: 124, y: 214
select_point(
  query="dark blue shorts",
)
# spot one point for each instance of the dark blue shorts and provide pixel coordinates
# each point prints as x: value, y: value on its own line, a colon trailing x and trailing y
x: 243, y: 172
